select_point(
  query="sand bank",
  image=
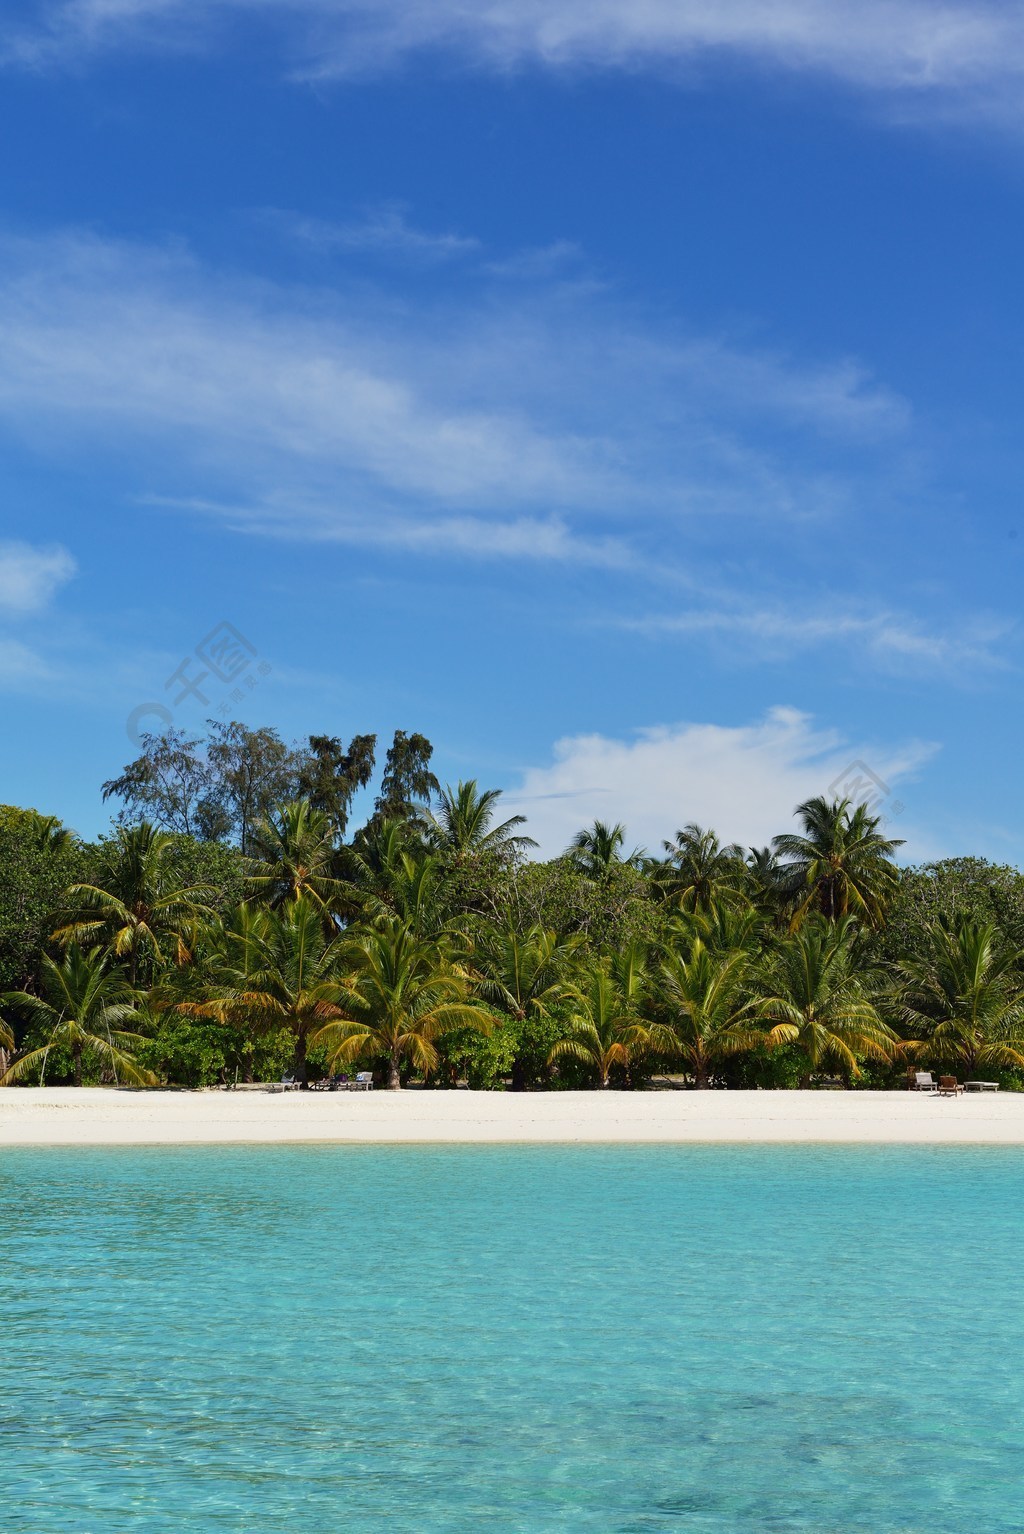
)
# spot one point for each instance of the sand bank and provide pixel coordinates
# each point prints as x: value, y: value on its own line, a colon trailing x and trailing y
x: 63, y: 1116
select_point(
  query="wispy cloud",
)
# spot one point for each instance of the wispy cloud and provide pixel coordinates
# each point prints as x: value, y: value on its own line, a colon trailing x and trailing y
x: 940, y: 50
x: 744, y: 781
x: 383, y: 231
x: 30, y: 574
x: 881, y: 634
x: 21, y: 668
x: 473, y: 405
x: 554, y: 426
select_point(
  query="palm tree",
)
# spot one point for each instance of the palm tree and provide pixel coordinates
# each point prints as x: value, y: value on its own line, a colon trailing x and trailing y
x: 816, y: 997
x: 765, y: 883
x: 463, y: 824
x: 85, y: 1008
x: 401, y: 993
x: 279, y: 969
x: 964, y: 999
x: 49, y: 833
x: 6, y: 1044
x: 841, y: 865
x: 597, y: 849
x: 296, y: 854
x: 603, y: 1027
x: 522, y: 973
x: 724, y: 925
x: 711, y: 1019
x: 388, y: 873
x: 698, y: 869
x: 136, y: 903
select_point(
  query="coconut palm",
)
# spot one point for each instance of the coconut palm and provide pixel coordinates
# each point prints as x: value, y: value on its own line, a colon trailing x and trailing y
x: 522, y: 973
x: 963, y: 1000
x: 765, y: 883
x: 49, y: 833
x: 698, y: 869
x: 815, y: 996
x: 841, y: 865
x: 709, y: 1017
x: 6, y: 1045
x: 603, y: 1029
x: 463, y: 824
x: 294, y: 855
x: 401, y: 993
x: 84, y: 1010
x: 388, y: 873
x: 278, y: 969
x: 137, y: 904
x: 597, y: 850
x: 725, y: 925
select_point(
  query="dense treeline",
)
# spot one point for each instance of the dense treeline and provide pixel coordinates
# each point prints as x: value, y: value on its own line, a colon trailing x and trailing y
x: 231, y: 929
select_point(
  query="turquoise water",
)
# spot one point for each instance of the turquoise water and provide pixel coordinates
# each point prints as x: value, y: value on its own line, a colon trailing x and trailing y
x: 720, y: 1340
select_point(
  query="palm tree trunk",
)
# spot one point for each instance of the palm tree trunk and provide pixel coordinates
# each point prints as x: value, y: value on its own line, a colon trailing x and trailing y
x: 394, y: 1080
x: 300, y: 1056
x: 701, y: 1079
x: 76, y: 1055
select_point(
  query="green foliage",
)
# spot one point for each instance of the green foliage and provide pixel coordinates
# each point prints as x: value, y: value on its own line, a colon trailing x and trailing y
x: 483, y: 1060
x: 35, y: 870
x: 955, y: 890
x: 610, y: 913
x: 201, y: 1052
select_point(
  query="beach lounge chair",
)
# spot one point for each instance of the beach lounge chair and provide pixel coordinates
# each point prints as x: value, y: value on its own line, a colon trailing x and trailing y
x: 924, y: 1081
x: 949, y: 1087
x: 290, y: 1083
x: 363, y: 1081
x: 339, y: 1083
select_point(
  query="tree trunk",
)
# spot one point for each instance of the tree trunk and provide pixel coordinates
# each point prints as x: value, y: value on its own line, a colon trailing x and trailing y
x: 76, y: 1055
x: 300, y: 1057
x: 804, y: 1082
x: 394, y: 1080
x: 700, y: 1078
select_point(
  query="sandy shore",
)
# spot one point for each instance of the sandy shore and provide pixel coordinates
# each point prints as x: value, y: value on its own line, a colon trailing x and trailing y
x: 63, y: 1116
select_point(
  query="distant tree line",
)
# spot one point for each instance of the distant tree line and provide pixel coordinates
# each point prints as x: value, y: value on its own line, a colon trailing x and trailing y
x: 232, y: 926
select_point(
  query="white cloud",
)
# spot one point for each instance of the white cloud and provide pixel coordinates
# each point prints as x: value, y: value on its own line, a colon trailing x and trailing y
x: 946, y: 49
x: 880, y: 635
x: 743, y: 781
x: 553, y: 426
x: 21, y: 667
x: 30, y: 575
x: 385, y: 230
x: 476, y: 405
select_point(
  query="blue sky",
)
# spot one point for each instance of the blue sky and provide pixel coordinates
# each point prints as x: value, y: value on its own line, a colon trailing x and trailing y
x: 626, y: 396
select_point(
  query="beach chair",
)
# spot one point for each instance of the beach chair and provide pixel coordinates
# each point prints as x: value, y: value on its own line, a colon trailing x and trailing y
x: 924, y: 1081
x: 290, y: 1083
x: 339, y: 1083
x: 363, y: 1081
x: 949, y: 1086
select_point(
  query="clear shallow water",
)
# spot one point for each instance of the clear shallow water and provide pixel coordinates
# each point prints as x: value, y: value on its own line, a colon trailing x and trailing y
x: 720, y: 1340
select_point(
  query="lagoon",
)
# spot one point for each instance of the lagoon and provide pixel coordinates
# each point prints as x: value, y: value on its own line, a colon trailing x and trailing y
x: 717, y: 1339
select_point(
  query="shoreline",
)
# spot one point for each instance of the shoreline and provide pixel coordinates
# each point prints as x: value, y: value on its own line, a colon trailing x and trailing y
x: 41, y: 1116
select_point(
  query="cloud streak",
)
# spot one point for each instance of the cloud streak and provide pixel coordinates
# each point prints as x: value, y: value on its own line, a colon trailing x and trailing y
x: 550, y: 426
x: 915, y: 50
x: 473, y: 406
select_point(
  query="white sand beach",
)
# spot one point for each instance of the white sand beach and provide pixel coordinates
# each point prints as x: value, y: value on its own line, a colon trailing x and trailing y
x: 97, y: 1116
